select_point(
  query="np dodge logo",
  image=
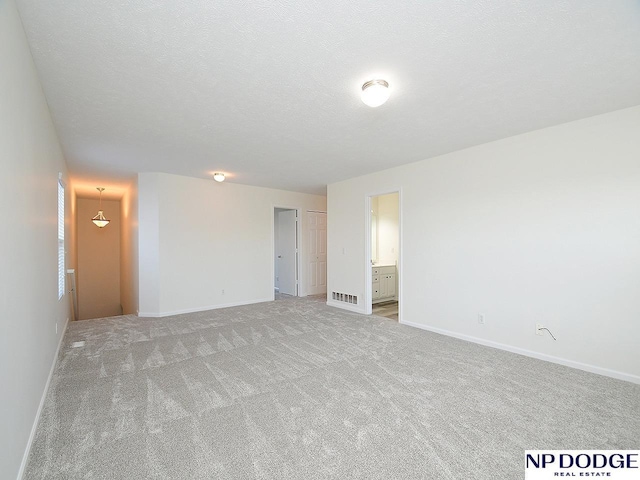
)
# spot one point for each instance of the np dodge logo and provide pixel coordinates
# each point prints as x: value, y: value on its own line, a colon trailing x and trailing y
x: 612, y: 464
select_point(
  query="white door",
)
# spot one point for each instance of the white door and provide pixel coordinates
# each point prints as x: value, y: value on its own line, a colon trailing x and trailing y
x: 286, y: 251
x: 317, y: 253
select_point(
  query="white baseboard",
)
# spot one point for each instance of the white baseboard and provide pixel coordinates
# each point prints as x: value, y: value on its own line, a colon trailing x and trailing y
x: 530, y: 353
x: 34, y: 427
x: 202, y: 309
x: 346, y: 306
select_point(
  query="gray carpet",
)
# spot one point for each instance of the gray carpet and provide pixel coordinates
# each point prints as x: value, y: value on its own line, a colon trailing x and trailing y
x: 295, y: 389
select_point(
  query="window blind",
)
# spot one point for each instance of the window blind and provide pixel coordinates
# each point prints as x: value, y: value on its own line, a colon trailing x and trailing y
x: 60, y: 240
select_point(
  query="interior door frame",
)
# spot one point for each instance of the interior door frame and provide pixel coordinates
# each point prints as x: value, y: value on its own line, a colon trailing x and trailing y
x: 298, y: 247
x: 368, y: 307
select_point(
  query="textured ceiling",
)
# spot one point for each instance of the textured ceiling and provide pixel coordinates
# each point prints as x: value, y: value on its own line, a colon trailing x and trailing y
x: 269, y: 90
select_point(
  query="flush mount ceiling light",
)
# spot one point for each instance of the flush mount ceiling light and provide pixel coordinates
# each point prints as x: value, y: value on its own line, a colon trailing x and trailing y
x: 218, y: 177
x: 99, y: 219
x: 375, y: 92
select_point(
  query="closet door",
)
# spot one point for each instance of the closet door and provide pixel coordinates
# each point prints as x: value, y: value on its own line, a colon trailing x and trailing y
x: 317, y: 268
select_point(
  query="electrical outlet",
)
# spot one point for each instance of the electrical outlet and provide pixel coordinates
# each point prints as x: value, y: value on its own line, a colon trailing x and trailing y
x: 539, y: 328
x: 223, y: 291
x: 481, y: 319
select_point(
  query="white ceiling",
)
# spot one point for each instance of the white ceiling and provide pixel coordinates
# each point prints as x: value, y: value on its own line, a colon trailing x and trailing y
x: 269, y: 90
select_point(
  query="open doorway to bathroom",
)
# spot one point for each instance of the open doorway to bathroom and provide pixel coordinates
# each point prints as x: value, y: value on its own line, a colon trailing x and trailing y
x: 385, y: 255
x: 285, y: 242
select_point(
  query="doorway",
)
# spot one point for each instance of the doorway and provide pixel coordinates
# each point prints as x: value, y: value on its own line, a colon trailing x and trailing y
x: 98, y: 260
x: 285, y: 241
x: 384, y: 255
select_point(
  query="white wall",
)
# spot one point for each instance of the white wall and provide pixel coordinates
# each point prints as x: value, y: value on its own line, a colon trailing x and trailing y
x: 129, y: 250
x: 541, y: 227
x: 149, y: 243
x: 98, y: 269
x: 388, y: 233
x: 198, y: 238
x: 31, y: 158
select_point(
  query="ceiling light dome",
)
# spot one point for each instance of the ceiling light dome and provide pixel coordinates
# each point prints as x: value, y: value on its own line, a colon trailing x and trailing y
x: 218, y: 177
x: 375, y: 92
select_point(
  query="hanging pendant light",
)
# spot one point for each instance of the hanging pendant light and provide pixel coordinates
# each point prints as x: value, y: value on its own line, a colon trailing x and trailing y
x: 99, y: 219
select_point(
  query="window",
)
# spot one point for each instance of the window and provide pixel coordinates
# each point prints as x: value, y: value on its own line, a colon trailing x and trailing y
x: 60, y: 240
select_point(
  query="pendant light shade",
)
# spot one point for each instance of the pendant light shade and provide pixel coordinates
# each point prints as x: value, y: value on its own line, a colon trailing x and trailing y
x: 99, y: 219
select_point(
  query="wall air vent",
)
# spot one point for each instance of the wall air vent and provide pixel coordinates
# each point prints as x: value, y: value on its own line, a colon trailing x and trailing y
x: 344, y: 297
